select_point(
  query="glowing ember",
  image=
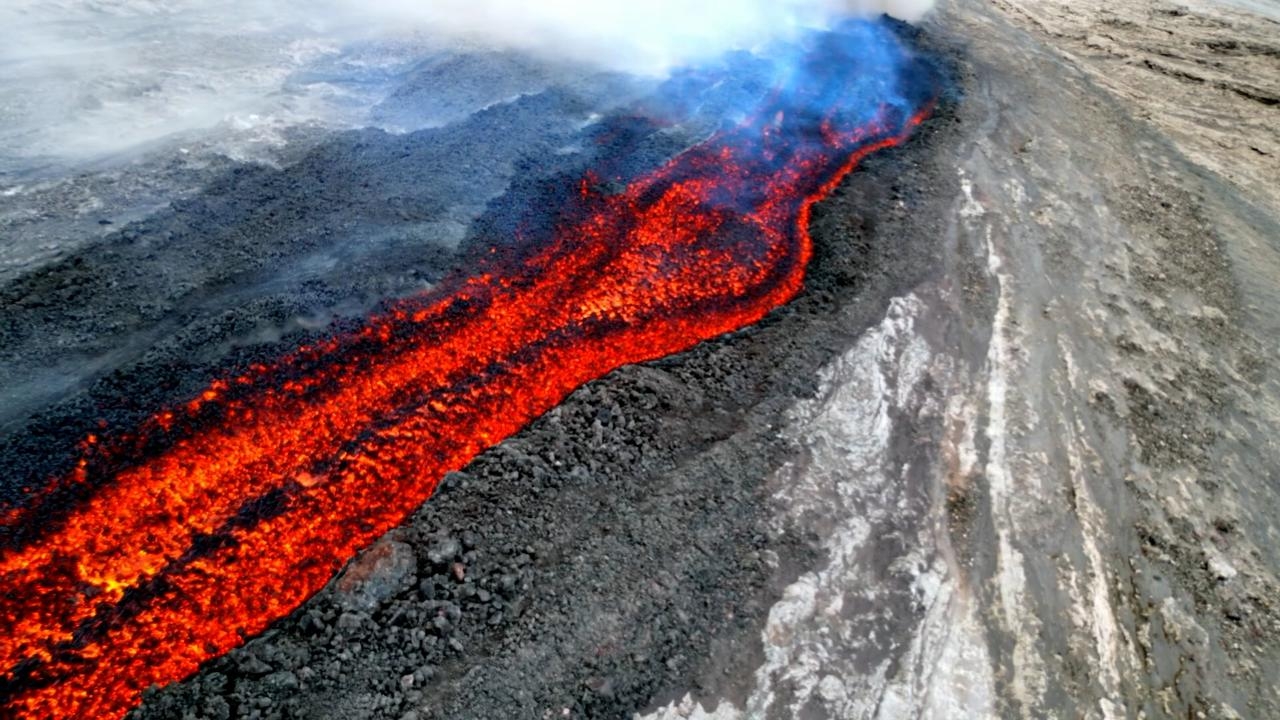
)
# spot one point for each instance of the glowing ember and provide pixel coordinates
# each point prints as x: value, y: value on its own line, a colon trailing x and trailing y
x: 222, y: 515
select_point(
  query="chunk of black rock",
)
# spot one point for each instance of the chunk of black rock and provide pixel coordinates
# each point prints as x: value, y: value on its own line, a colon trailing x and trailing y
x: 283, y: 680
x: 252, y: 665
x: 428, y: 589
x: 444, y: 551
x: 600, y: 686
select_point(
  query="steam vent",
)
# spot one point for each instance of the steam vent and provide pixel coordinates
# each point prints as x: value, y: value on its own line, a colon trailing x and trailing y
x: 818, y: 359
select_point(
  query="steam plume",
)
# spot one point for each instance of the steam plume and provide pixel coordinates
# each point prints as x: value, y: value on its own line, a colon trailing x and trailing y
x: 84, y: 78
x: 646, y: 37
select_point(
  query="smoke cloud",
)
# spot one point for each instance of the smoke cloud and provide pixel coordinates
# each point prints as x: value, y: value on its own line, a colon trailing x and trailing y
x: 648, y: 37
x: 87, y: 78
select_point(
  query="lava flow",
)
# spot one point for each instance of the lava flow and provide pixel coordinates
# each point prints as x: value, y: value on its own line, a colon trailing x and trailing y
x: 220, y: 516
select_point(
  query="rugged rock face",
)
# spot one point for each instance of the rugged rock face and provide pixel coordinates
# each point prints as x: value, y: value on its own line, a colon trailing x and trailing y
x: 1206, y: 75
x: 1011, y: 454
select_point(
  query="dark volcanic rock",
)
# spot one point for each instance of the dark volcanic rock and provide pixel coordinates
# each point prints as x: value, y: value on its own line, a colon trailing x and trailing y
x: 376, y: 575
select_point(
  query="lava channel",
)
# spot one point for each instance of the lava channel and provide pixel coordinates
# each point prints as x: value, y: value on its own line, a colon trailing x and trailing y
x: 220, y: 516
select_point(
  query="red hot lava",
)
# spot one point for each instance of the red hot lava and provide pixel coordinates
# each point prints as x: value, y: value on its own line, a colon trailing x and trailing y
x: 267, y: 483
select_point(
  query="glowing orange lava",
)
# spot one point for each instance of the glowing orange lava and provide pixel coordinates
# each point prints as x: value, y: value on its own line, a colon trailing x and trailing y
x: 269, y: 482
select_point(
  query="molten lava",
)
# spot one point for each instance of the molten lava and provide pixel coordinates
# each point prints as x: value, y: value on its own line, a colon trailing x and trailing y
x: 222, y: 515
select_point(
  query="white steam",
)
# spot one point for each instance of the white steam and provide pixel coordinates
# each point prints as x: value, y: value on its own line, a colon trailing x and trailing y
x: 647, y: 37
x: 86, y: 78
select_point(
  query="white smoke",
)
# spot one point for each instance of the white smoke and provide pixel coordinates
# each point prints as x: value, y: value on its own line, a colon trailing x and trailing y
x: 85, y: 78
x: 647, y: 37
x: 909, y: 10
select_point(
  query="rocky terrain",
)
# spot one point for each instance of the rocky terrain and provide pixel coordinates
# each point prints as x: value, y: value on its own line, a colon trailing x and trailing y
x: 1012, y: 452
x: 1203, y: 74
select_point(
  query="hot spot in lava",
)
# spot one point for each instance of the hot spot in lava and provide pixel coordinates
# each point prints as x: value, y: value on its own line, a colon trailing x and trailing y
x: 177, y: 546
